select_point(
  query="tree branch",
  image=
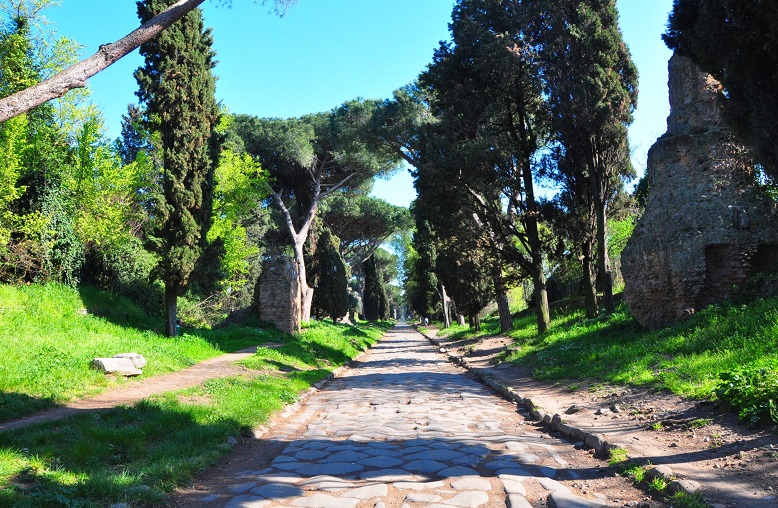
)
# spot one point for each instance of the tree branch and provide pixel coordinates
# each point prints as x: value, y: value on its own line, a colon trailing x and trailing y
x: 76, y: 75
x: 336, y: 186
x: 287, y: 216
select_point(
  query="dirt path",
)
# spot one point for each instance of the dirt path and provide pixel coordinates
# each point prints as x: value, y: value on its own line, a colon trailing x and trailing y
x: 735, y: 466
x: 218, y: 367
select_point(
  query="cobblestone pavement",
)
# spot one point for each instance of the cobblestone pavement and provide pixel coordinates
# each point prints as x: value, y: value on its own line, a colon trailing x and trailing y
x: 404, y: 428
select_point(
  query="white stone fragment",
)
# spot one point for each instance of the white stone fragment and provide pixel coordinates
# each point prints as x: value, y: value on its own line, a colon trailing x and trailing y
x: 120, y: 366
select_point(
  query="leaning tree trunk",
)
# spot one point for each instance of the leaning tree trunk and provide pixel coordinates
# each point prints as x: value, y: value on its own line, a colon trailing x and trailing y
x: 535, y: 251
x: 501, y: 292
x: 541, y: 302
x: 306, y: 292
x: 108, y: 54
x: 171, y: 310
x: 446, y: 310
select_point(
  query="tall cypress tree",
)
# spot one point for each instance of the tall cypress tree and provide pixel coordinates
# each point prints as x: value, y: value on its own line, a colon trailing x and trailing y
x: 177, y: 87
x: 374, y: 300
x: 331, y: 295
x: 592, y: 90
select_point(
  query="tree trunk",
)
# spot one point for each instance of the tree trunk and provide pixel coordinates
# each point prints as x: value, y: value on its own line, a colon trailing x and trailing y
x: 476, y: 323
x: 541, y: 302
x: 588, y: 280
x: 171, y: 311
x: 535, y: 251
x: 603, y: 262
x: 446, y: 313
x: 306, y: 292
x: 501, y: 292
x: 461, y: 319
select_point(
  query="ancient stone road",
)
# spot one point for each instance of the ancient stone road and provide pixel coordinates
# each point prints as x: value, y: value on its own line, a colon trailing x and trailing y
x: 406, y: 428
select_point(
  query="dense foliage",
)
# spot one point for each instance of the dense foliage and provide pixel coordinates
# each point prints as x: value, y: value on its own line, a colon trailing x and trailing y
x: 737, y: 43
x: 309, y: 159
x: 524, y: 92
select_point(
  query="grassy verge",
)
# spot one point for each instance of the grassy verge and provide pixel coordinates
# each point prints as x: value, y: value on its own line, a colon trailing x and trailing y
x: 138, y: 454
x: 692, y: 358
x: 50, y: 335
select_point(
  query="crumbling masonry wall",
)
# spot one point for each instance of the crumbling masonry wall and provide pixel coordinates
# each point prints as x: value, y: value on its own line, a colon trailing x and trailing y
x: 707, y: 226
x: 277, y: 296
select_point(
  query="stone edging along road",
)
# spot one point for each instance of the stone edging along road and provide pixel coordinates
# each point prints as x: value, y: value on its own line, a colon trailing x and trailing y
x: 598, y: 442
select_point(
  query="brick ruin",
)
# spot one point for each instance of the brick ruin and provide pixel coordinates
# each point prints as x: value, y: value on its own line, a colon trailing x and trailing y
x: 277, y: 294
x: 707, y: 226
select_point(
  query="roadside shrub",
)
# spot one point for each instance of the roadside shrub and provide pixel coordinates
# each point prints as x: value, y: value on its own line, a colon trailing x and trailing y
x: 752, y: 392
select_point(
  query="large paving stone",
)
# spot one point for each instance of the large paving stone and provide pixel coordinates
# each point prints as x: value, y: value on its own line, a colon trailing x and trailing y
x: 279, y: 478
x: 310, y: 454
x: 335, y: 468
x: 278, y: 491
x: 380, y: 462
x: 248, y: 502
x: 324, y: 501
x: 517, y: 501
x: 553, y: 485
x: 368, y: 492
x: 471, y: 484
x: 388, y: 475
x: 346, y: 456
x: 471, y: 499
x: 457, y: 471
x: 564, y: 500
x: 435, y: 455
x: 424, y: 466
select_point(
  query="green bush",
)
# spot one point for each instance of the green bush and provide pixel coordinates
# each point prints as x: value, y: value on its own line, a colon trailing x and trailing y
x: 752, y: 392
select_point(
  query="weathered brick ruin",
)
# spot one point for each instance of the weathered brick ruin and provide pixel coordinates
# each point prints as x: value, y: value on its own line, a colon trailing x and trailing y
x: 277, y: 295
x: 707, y: 227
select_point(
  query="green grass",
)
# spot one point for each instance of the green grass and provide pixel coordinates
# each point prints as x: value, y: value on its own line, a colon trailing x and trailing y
x: 50, y: 334
x: 687, y: 358
x: 726, y: 351
x: 138, y: 454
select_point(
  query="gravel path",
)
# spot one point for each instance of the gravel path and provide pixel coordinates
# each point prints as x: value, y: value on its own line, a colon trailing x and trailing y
x: 404, y: 428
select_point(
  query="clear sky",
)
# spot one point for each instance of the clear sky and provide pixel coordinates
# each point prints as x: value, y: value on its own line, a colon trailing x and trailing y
x: 324, y: 52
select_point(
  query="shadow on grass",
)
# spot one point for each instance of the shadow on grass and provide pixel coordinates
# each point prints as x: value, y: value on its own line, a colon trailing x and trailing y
x: 16, y: 405
x: 122, y: 311
x: 118, y: 309
x: 124, y: 454
x: 686, y: 358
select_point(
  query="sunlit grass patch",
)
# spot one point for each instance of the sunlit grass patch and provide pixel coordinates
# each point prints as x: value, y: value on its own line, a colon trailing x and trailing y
x: 687, y: 358
x: 50, y: 334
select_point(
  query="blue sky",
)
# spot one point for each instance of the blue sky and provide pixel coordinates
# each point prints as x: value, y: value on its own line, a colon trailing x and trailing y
x: 323, y: 53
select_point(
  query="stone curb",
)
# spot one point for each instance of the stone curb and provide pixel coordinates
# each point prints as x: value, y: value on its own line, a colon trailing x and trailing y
x: 598, y: 442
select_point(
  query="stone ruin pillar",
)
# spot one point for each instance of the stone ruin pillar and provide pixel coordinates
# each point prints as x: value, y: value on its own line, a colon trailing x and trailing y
x: 707, y: 226
x: 278, y: 296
